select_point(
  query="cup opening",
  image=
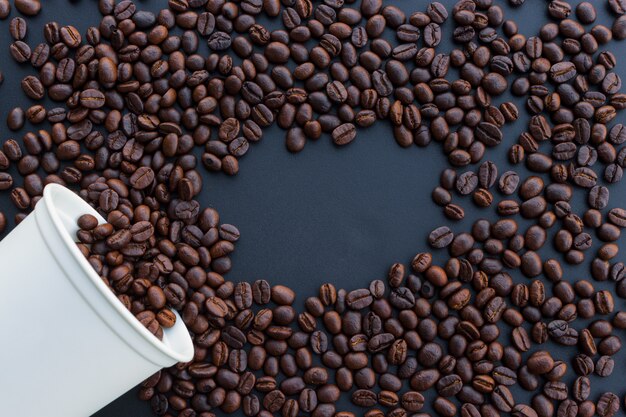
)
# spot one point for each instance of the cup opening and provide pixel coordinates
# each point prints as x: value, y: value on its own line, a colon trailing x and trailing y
x: 64, y: 207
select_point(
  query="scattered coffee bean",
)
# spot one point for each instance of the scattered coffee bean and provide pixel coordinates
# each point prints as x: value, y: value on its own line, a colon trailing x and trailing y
x: 28, y: 7
x: 157, y: 98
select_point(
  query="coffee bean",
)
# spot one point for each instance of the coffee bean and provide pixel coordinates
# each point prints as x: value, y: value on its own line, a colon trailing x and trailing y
x: 487, y: 174
x: 503, y: 399
x: 454, y: 212
x: 584, y: 177
x: 33, y: 88
x: 261, y: 292
x: 432, y: 34
x: 562, y: 72
x: 604, y: 366
x: 583, y: 365
x: 482, y: 197
x: 412, y: 401
x: 70, y: 36
x: 20, y: 52
x: 488, y: 133
x: 598, y: 197
x: 586, y: 13
x: 508, y: 182
x: 18, y: 28
x: 344, y: 134
x: 440, y: 237
x: 359, y: 299
x: 142, y: 178
x: 607, y: 405
x: 619, y: 28
x: 16, y: 119
x: 5, y: 9
x: 466, y: 183
x: 282, y: 295
x: 449, y: 385
x: 364, y: 398
x: 28, y: 7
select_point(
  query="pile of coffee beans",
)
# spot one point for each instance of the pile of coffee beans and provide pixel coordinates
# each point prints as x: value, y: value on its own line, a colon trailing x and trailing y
x: 387, y: 346
x: 102, y: 246
x: 133, y: 254
x: 142, y: 104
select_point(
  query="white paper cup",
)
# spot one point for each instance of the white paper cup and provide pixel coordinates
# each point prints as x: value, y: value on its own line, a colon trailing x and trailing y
x: 68, y: 346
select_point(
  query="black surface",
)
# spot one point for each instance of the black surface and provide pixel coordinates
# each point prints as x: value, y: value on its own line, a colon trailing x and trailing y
x: 326, y: 214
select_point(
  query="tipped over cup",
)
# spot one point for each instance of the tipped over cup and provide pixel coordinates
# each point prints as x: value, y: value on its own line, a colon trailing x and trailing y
x: 68, y: 346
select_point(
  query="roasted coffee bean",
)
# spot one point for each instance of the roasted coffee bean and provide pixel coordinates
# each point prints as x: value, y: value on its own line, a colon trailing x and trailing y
x: 608, y: 404
x: 18, y: 28
x: 508, y: 182
x: 5, y: 9
x: 488, y: 174
x: 28, y: 7
x: 364, y: 398
x: 466, y: 183
x: 440, y: 237
x: 70, y: 36
x: 359, y: 299
x: 344, y: 134
x: 20, y: 51
x: 604, y: 366
x: 33, y: 88
x: 449, y: 385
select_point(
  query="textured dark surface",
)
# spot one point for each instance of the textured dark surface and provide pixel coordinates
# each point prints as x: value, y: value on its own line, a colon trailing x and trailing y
x: 326, y: 214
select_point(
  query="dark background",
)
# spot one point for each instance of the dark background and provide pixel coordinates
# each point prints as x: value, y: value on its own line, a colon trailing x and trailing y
x: 326, y: 214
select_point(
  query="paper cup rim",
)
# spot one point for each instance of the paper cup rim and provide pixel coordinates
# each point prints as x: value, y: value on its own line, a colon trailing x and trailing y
x: 53, y: 191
